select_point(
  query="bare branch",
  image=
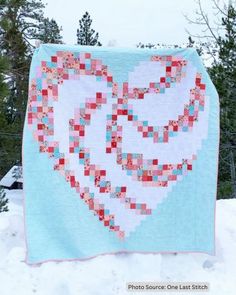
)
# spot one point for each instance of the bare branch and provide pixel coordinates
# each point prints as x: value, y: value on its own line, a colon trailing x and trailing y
x: 205, y: 17
x: 218, y: 8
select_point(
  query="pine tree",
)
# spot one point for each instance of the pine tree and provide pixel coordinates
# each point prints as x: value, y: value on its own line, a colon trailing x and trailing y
x: 86, y: 35
x: 3, y: 201
x: 18, y: 26
x: 220, y: 43
x: 3, y: 84
x: 21, y: 22
x: 4, y: 142
x: 49, y: 32
x: 223, y: 74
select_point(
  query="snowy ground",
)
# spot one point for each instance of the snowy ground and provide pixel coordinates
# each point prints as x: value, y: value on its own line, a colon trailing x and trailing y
x: 108, y: 274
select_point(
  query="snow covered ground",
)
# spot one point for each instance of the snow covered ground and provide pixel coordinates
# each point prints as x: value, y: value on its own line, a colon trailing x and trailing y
x: 108, y: 274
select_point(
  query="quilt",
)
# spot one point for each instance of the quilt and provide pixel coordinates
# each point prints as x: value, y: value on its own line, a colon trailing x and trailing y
x: 120, y: 153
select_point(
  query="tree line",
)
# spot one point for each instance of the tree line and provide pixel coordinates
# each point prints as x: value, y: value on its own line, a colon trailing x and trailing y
x: 22, y: 22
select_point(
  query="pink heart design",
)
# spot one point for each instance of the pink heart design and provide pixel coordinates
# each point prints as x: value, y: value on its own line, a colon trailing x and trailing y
x: 68, y: 66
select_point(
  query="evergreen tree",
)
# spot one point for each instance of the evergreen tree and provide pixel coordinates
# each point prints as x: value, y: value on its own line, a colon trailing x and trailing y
x: 223, y: 74
x: 3, y: 201
x: 49, y: 32
x: 86, y: 35
x: 7, y: 147
x: 3, y: 84
x: 21, y: 22
x: 3, y: 94
x: 222, y: 48
x: 18, y: 26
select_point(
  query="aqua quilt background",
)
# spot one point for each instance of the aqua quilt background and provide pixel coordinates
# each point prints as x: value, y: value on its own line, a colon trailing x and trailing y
x: 120, y: 153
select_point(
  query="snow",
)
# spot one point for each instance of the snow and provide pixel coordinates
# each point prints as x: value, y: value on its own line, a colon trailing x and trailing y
x: 9, y: 178
x: 109, y: 274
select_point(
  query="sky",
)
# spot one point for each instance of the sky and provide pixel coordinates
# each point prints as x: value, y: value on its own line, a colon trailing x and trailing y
x: 127, y: 22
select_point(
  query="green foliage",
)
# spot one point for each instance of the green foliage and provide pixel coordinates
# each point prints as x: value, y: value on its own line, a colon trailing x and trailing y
x: 3, y: 84
x: 18, y: 21
x: 223, y: 75
x: 49, y: 32
x: 86, y: 35
x: 224, y: 189
x: 21, y: 22
x: 4, y: 153
x: 3, y: 201
x: 219, y: 44
x: 18, y: 25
